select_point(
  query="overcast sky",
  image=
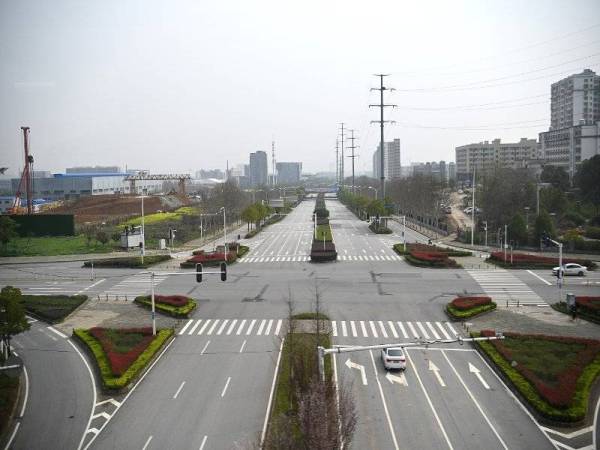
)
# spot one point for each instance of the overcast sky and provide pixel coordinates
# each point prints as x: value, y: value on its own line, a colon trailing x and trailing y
x: 182, y: 85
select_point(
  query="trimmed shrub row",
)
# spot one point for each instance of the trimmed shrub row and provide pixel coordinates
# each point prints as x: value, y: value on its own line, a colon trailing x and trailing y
x: 52, y: 308
x: 527, y: 261
x: 128, y: 262
x: 466, y: 307
x: 172, y: 305
x: 380, y: 229
x: 113, y: 382
x: 399, y: 248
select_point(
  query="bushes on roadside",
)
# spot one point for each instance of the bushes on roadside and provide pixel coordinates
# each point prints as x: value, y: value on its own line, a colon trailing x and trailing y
x: 466, y: 307
x: 128, y: 262
x: 173, y: 305
x: 527, y: 261
x: 399, y: 248
x: 52, y: 308
x: 379, y: 229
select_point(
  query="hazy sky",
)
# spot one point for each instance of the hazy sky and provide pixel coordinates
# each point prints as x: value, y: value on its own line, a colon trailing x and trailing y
x: 182, y: 85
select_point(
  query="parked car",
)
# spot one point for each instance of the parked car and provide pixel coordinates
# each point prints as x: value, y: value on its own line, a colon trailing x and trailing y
x: 571, y: 269
x: 393, y: 358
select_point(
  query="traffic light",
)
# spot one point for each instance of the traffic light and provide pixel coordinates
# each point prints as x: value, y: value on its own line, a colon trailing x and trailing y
x: 546, y: 240
x: 223, y: 271
x: 199, y: 273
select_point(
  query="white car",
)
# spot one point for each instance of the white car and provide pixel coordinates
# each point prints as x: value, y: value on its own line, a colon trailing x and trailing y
x: 393, y: 358
x: 468, y: 210
x: 571, y: 269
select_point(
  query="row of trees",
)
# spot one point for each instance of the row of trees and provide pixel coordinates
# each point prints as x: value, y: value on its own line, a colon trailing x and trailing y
x: 255, y: 213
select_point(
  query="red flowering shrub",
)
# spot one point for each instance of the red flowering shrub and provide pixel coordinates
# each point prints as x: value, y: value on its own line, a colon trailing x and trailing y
x: 591, y: 303
x: 525, y: 258
x: 173, y: 300
x: 122, y: 346
x: 558, y: 390
x: 466, y: 303
x: 212, y: 256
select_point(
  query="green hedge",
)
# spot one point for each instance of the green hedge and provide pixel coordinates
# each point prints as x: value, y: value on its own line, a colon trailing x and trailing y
x: 581, y: 312
x: 52, y: 308
x: 420, y: 263
x: 310, y: 316
x: 379, y: 230
x: 174, y: 311
x: 399, y: 248
x: 242, y: 250
x: 458, y: 314
x: 109, y: 381
x: 575, y: 413
x: 324, y: 233
x: 128, y: 262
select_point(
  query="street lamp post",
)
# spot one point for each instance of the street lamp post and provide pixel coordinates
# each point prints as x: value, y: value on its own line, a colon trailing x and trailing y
x: 527, y: 218
x: 539, y: 186
x: 485, y: 228
x: 224, y: 233
x: 143, y: 228
x: 153, y: 305
x: 375, y: 189
x: 505, y: 240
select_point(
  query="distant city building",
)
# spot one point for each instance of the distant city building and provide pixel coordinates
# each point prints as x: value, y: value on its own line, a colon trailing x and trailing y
x: 440, y: 170
x: 93, y: 169
x: 575, y: 100
x: 216, y: 174
x: 258, y: 170
x: 288, y: 172
x: 486, y: 156
x: 391, y: 162
x: 451, y: 171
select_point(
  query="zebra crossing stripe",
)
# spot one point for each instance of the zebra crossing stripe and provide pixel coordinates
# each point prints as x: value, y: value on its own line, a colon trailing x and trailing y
x: 423, y: 330
x: 363, y: 328
x: 269, y: 325
x: 230, y: 329
x: 412, y: 329
x: 278, y: 327
x: 393, y: 328
x: 194, y: 327
x: 206, y: 324
x: 189, y: 322
x: 250, y: 327
x: 404, y: 334
x: 353, y: 327
x: 383, y: 332
x: 444, y: 332
x: 372, y: 325
x: 435, y: 334
x: 261, y: 327
x: 241, y: 327
x: 216, y: 322
x: 334, y: 328
x: 449, y: 325
x: 222, y: 327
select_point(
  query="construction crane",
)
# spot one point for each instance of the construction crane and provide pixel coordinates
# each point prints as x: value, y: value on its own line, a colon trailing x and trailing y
x: 26, y: 180
x: 182, y: 178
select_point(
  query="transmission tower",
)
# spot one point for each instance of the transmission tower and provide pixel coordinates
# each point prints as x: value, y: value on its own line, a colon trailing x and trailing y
x: 337, y: 161
x: 352, y: 138
x: 342, y: 158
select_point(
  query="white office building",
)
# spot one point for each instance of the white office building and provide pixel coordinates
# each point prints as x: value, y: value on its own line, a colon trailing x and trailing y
x: 392, y: 165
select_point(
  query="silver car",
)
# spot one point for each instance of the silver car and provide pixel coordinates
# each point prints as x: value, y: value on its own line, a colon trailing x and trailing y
x: 571, y: 269
x: 393, y: 358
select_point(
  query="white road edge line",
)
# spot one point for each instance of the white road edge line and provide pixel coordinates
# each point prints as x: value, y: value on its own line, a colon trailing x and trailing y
x: 475, y: 401
x: 203, y: 442
x: 243, y: 345
x: 128, y: 394
x: 225, y: 388
x: 26, y: 396
x: 179, y: 390
x: 54, y: 330
x: 12, y: 436
x: 95, y: 399
x: 385, y: 408
x: 437, y: 418
x: 539, y: 278
x: 147, y: 443
x: 595, y: 423
x: 264, y: 430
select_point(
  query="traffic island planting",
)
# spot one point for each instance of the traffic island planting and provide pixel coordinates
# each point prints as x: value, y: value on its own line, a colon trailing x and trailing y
x: 215, y: 258
x: 466, y: 307
x: 52, y: 308
x: 131, y: 262
x: 9, y: 390
x: 527, y: 261
x: 173, y: 305
x: 588, y: 308
x: 553, y: 374
x: 323, y: 248
x: 121, y: 355
x: 421, y: 255
x: 399, y: 248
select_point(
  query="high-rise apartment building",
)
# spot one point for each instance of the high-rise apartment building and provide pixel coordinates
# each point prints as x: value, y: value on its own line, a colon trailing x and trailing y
x: 258, y: 170
x: 575, y: 100
x: 391, y: 161
x: 288, y: 172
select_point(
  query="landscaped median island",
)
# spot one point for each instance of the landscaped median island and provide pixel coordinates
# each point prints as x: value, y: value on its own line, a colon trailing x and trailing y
x: 216, y: 257
x: 323, y: 248
x: 121, y: 355
x: 52, y: 308
x: 553, y: 374
x: 9, y: 389
x: 466, y: 307
x: 527, y: 261
x: 588, y: 308
x: 423, y: 255
x: 172, y: 305
x: 132, y: 262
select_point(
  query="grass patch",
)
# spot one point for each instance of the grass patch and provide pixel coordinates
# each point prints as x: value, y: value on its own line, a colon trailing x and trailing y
x: 133, y: 262
x: 150, y: 219
x: 242, y: 250
x: 323, y: 233
x: 53, y: 245
x: 553, y: 374
x: 171, y: 310
x: 52, y: 308
x: 9, y: 387
x: 110, y: 380
x: 456, y: 313
x: 310, y: 316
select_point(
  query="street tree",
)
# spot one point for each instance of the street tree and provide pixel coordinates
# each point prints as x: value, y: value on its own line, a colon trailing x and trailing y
x: 8, y: 230
x: 543, y: 225
x: 586, y: 179
x: 12, y: 318
x: 555, y: 175
x: 518, y: 230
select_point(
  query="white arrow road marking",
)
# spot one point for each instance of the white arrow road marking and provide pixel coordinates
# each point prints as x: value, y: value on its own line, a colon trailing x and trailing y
x: 436, y: 370
x: 397, y: 379
x: 477, y: 373
x: 352, y: 365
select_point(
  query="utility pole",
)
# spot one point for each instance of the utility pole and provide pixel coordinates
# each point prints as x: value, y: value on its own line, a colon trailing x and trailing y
x: 381, y: 122
x: 337, y: 161
x: 352, y: 138
x: 342, y: 159
x: 274, y: 179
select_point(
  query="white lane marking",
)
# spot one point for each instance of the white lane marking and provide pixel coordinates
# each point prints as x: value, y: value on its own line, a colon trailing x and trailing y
x: 570, y: 435
x: 393, y: 328
x: 226, y: 386
x: 477, y: 373
x: 595, y: 422
x: 383, y: 332
x: 404, y: 333
x: 363, y: 328
x: 423, y: 330
x: 360, y: 368
x: 264, y: 429
x: 451, y: 328
x: 278, y: 327
x: 435, y: 414
x: 344, y: 328
x: 206, y: 324
x: 12, y: 436
x: 475, y: 400
x: 385, y: 408
x: 189, y: 322
x: 399, y: 379
x: 147, y: 443
x: 91, y: 286
x: 443, y: 330
x: 269, y: 325
x: 179, y: 390
x: 373, y: 329
x: 231, y: 327
x: 194, y: 327
x: 334, y: 328
x: 412, y: 329
x: 250, y: 327
x: 204, y: 348
x: 353, y: 328
x: 261, y: 327
x: 435, y: 334
x: 222, y: 327
x: 214, y: 325
x: 243, y: 345
x: 241, y: 327
x: 94, y: 398
x: 436, y: 371
x: 26, y: 396
x: 539, y: 278
x: 203, y: 443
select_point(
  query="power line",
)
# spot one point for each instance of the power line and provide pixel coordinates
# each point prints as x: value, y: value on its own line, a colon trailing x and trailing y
x: 352, y: 138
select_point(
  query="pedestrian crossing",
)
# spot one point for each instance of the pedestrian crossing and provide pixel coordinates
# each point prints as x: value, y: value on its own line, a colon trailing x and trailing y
x: 379, y: 329
x: 136, y: 285
x: 305, y: 258
x: 505, y: 289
